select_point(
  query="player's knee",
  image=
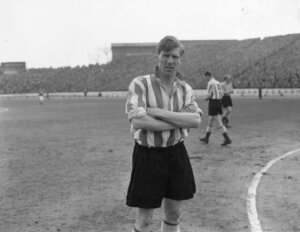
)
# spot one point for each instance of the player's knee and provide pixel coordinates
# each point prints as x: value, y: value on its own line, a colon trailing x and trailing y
x: 219, y: 125
x: 223, y: 129
x: 210, y: 124
x: 172, y: 216
x: 144, y: 221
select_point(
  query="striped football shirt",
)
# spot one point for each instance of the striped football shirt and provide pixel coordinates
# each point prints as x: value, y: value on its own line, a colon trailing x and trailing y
x: 214, y: 89
x: 227, y: 88
x: 146, y: 91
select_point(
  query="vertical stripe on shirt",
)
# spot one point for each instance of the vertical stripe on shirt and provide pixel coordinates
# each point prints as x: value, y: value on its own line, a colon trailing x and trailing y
x: 158, y: 138
x: 143, y: 137
x: 157, y: 93
x: 227, y: 88
x: 128, y: 103
x: 214, y: 89
x: 144, y: 81
x: 175, y: 108
x: 184, y: 94
x: 139, y: 92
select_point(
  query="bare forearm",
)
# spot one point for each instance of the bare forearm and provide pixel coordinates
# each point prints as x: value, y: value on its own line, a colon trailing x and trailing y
x: 152, y: 124
x: 180, y: 119
x: 208, y: 96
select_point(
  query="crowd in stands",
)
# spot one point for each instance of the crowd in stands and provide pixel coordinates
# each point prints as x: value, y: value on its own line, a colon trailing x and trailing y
x: 273, y: 62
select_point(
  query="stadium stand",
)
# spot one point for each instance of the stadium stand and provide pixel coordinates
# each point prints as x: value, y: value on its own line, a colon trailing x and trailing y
x: 9, y: 68
x: 272, y: 62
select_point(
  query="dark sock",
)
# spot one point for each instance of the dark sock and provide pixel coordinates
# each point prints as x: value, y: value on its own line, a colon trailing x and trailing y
x: 225, y: 135
x: 135, y: 229
x: 207, y: 135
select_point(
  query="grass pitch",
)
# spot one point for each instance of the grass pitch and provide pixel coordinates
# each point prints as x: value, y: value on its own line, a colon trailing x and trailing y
x: 65, y: 166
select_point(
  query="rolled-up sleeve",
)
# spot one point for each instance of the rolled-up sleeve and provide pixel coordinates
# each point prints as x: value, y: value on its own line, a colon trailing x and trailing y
x: 136, y: 100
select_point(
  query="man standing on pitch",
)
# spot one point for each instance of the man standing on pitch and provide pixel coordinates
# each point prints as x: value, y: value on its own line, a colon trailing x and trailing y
x: 214, y: 96
x: 161, y: 107
x: 41, y: 97
x: 226, y: 99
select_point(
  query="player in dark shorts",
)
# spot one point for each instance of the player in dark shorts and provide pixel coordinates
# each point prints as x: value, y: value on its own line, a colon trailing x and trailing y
x: 226, y: 100
x: 214, y: 96
x: 161, y: 108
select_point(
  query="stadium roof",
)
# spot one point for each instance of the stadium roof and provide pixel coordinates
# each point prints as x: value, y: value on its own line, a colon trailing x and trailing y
x: 154, y: 44
x: 133, y: 44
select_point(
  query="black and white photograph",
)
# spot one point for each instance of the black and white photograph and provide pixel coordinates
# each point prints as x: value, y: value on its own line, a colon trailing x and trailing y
x: 149, y: 115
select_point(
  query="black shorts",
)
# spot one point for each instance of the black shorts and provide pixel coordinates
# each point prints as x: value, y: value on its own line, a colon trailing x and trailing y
x: 215, y: 107
x: 226, y: 101
x: 159, y: 173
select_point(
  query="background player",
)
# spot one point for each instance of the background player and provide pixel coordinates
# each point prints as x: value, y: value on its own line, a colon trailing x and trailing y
x: 214, y: 96
x: 41, y: 97
x: 226, y: 99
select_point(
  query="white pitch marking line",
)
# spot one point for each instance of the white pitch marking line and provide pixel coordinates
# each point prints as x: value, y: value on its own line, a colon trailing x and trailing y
x: 251, y: 198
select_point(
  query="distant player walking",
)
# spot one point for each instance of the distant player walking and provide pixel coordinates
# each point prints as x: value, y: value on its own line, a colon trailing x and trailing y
x: 226, y: 100
x: 214, y: 96
x: 41, y: 97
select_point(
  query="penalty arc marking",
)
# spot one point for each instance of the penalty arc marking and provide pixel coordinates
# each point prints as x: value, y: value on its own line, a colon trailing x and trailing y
x: 251, y: 198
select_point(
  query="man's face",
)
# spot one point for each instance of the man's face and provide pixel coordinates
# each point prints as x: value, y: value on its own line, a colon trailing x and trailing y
x: 207, y: 77
x: 227, y: 80
x: 169, y: 62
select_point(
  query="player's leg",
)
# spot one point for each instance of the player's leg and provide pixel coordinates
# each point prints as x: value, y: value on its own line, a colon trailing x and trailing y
x: 225, y: 117
x: 181, y: 186
x: 208, y: 129
x: 229, y: 109
x: 228, y: 112
x: 143, y: 219
x: 227, y: 104
x: 224, y: 106
x: 223, y: 129
x: 219, y: 124
x: 172, y: 213
x: 147, y: 184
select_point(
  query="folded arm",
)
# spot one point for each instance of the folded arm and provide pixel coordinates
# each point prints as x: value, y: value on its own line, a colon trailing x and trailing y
x: 178, y: 119
x: 151, y: 124
x: 157, y: 119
